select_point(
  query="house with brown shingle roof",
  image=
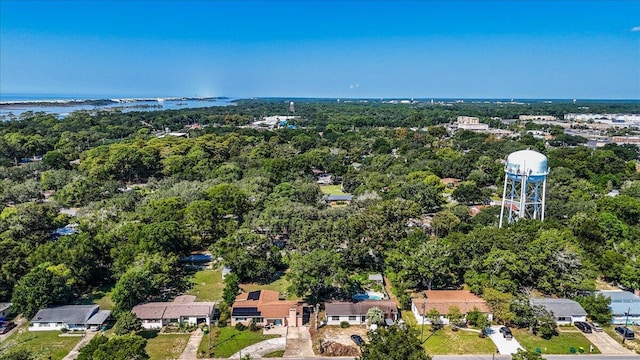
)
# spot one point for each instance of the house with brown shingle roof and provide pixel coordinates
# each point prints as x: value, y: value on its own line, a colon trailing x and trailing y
x: 355, y: 313
x: 444, y: 300
x: 264, y: 307
x: 183, y: 310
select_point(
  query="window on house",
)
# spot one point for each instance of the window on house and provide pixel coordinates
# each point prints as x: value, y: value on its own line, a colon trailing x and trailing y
x: 352, y: 318
x: 335, y: 318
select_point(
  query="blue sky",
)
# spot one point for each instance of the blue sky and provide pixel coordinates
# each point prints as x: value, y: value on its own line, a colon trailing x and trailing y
x: 420, y: 49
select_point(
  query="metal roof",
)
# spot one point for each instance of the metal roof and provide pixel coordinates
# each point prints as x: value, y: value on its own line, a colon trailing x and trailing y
x: 99, y: 318
x: 69, y: 314
x: 560, y: 307
x: 619, y: 295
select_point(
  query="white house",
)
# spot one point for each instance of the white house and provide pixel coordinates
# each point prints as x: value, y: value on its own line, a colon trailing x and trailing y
x: 355, y: 313
x: 71, y: 317
x: 565, y: 311
x: 184, y: 310
x: 625, y: 306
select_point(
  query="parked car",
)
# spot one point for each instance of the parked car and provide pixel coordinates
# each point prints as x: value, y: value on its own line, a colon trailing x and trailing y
x: 6, y: 327
x: 506, y: 332
x: 583, y: 326
x: 357, y: 339
x: 595, y: 326
x: 625, y: 332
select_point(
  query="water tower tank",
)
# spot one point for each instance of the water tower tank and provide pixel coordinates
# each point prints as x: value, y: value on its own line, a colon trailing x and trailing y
x: 528, y: 162
x: 524, y: 186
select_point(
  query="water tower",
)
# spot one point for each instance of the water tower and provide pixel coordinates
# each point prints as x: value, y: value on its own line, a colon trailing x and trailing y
x: 525, y: 183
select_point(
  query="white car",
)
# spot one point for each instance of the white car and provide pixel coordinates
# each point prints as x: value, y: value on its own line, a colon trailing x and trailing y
x: 595, y: 326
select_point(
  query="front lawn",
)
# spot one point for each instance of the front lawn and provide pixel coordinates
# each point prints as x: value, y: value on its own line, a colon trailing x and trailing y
x: 166, y: 346
x: 560, y: 344
x: 207, y: 285
x: 447, y: 341
x: 227, y: 341
x: 41, y: 343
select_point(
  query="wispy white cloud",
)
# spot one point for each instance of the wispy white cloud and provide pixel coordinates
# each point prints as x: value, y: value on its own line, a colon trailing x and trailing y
x: 635, y: 28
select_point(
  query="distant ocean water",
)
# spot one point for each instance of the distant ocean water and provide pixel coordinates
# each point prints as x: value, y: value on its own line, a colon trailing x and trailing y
x: 12, y: 104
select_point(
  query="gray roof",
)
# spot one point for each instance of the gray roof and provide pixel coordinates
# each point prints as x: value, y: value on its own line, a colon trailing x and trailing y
x: 339, y: 197
x: 4, y: 306
x: 619, y: 295
x: 560, y: 307
x: 68, y: 314
x: 375, y: 277
x: 99, y: 318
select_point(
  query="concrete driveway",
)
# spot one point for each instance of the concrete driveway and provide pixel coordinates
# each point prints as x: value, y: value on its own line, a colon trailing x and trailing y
x: 299, y: 342
x: 504, y: 346
x: 606, y: 344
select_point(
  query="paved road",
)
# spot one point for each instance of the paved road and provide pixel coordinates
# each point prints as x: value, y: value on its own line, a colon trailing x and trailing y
x: 606, y: 344
x: 498, y: 357
x: 505, y: 346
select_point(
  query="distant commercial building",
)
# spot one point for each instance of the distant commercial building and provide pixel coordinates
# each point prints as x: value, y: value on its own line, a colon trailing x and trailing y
x: 621, y: 140
x: 471, y: 123
x: 537, y: 117
x: 587, y: 117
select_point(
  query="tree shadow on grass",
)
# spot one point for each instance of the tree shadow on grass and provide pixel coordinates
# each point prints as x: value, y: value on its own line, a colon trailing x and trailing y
x: 148, y: 334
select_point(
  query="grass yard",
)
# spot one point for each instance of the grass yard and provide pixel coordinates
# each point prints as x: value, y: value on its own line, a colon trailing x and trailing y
x: 561, y: 344
x: 166, y: 346
x: 41, y: 343
x: 331, y: 189
x: 100, y: 297
x: 446, y: 341
x: 280, y: 285
x: 207, y: 285
x: 227, y: 341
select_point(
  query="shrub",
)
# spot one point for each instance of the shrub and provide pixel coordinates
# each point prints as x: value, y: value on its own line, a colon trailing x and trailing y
x: 344, y: 324
x: 241, y: 327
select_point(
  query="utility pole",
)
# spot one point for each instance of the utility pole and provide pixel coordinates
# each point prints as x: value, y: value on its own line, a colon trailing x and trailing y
x: 626, y: 321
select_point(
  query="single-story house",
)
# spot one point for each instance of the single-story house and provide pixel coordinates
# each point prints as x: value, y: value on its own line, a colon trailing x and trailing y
x: 334, y: 199
x: 625, y: 306
x: 71, y: 317
x: 264, y: 307
x: 564, y: 311
x: 183, y: 310
x: 5, y: 309
x: 355, y: 313
x: 443, y: 300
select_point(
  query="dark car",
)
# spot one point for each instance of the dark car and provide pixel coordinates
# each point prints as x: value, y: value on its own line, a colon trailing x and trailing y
x: 506, y: 332
x: 6, y: 327
x: 583, y: 326
x: 357, y: 339
x: 625, y: 332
